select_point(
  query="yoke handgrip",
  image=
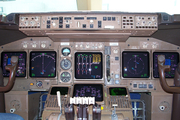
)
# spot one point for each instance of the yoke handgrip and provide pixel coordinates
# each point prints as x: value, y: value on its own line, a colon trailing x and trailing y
x: 12, y: 68
x: 162, y: 69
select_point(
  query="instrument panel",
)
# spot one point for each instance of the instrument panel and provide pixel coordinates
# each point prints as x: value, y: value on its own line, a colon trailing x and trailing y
x: 109, y: 63
x: 84, y: 47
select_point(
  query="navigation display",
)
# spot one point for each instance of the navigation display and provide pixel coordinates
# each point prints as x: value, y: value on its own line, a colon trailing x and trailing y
x: 117, y: 91
x: 135, y: 64
x: 88, y: 65
x: 89, y: 90
x: 43, y: 64
x: 172, y: 57
x: 6, y: 60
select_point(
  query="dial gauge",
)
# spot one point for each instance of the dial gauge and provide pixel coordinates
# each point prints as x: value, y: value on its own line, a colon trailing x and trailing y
x: 66, y: 51
x: 65, y: 77
x: 65, y: 64
x: 43, y: 64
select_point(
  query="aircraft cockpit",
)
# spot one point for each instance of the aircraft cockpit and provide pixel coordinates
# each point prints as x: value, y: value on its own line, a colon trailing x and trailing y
x: 90, y: 65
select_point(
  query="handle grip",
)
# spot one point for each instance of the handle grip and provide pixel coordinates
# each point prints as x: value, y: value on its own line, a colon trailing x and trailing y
x: 12, y: 68
x: 162, y: 69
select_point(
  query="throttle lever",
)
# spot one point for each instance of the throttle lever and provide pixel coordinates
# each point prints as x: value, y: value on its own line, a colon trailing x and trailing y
x: 12, y: 68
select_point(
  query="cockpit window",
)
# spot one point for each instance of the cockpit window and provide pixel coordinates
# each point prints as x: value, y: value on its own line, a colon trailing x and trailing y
x: 19, y: 6
x: 168, y: 6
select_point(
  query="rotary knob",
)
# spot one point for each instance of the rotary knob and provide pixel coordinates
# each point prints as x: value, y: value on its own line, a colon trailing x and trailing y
x: 39, y: 84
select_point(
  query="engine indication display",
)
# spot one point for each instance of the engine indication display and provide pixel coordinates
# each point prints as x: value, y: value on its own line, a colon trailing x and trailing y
x: 89, y: 90
x: 135, y: 64
x: 6, y: 60
x: 43, y: 64
x: 173, y: 57
x: 88, y: 65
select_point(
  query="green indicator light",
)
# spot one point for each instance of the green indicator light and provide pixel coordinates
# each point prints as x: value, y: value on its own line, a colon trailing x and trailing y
x: 141, y: 75
x: 137, y: 55
x: 49, y: 75
x: 78, y: 55
x: 45, y: 53
x: 52, y: 74
x: 33, y: 75
x: 40, y: 53
x: 90, y: 55
x: 133, y: 55
x: 145, y: 75
x: 125, y: 75
x: 105, y: 95
x: 169, y: 72
x: 86, y: 55
x: 96, y: 67
x: 63, y: 75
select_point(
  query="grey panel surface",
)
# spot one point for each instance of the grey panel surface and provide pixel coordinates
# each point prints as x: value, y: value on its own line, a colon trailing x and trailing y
x: 168, y: 35
x: 8, y: 36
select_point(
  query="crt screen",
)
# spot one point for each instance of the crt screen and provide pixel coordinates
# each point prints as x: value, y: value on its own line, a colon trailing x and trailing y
x: 89, y: 90
x: 172, y: 57
x: 43, y: 64
x: 135, y: 64
x: 63, y: 90
x: 6, y: 60
x: 117, y: 91
x: 88, y: 65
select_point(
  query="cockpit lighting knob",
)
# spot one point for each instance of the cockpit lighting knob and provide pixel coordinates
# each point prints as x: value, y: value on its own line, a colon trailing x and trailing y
x: 43, y: 45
